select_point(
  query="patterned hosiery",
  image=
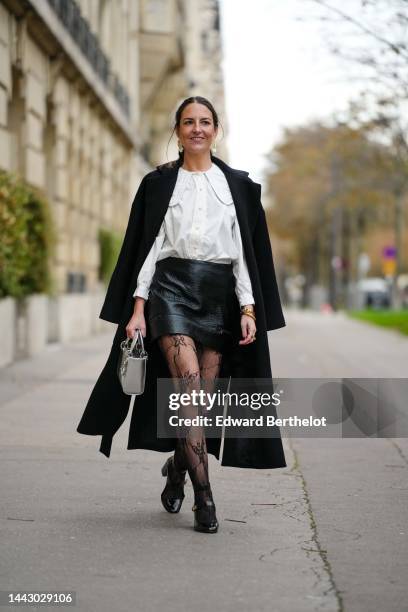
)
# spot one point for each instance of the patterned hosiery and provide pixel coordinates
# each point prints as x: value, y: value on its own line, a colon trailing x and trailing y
x: 210, y: 363
x: 192, y: 367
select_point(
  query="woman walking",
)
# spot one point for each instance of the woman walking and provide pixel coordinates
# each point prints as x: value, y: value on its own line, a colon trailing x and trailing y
x: 196, y: 276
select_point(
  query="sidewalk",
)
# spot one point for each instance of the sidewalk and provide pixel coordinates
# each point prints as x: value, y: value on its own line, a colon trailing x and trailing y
x: 325, y: 533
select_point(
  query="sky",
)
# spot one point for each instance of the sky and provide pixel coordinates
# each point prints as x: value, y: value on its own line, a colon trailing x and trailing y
x: 278, y: 72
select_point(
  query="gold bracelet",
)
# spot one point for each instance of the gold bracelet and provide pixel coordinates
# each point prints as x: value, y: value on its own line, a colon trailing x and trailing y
x: 246, y: 310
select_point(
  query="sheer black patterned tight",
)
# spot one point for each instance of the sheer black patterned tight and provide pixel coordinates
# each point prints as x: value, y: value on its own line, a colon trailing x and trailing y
x: 192, y: 367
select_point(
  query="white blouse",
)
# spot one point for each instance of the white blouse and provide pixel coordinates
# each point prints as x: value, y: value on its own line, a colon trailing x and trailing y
x: 200, y: 223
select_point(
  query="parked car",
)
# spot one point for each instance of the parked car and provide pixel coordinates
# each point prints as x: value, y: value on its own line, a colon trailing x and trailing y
x: 376, y: 292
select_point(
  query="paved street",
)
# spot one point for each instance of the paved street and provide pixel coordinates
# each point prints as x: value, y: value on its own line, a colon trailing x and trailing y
x: 329, y: 532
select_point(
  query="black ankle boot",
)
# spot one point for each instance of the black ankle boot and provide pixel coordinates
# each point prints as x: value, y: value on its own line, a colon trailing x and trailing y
x: 173, y: 493
x: 205, y: 519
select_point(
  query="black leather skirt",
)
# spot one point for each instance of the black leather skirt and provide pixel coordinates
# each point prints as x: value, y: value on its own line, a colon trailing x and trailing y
x: 192, y: 297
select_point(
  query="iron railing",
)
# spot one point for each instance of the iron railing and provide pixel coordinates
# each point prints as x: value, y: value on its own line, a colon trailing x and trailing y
x: 70, y: 16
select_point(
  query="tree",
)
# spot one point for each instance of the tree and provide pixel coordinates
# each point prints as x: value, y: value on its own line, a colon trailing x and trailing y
x: 371, y: 37
x: 325, y: 182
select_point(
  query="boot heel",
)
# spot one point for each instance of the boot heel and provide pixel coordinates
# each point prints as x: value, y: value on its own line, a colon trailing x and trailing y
x: 173, y: 493
x: 165, y: 468
x: 205, y: 519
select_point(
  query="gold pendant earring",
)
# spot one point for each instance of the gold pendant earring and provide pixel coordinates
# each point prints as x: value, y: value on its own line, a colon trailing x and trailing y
x: 180, y: 146
x: 214, y: 147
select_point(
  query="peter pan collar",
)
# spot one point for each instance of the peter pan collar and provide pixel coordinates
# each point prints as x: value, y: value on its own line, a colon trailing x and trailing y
x: 217, y: 180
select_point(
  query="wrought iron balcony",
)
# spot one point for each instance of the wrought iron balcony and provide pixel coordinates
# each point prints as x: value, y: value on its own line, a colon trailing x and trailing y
x: 70, y: 15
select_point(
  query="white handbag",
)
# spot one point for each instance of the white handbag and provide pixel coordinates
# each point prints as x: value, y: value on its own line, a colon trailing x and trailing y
x: 132, y: 365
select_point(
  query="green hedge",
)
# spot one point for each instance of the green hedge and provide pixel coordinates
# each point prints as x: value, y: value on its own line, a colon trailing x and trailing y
x: 109, y: 245
x: 27, y: 239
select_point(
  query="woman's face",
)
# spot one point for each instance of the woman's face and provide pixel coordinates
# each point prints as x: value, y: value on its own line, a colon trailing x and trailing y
x: 196, y: 131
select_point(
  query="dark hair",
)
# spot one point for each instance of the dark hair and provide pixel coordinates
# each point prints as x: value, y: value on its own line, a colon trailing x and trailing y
x: 186, y: 102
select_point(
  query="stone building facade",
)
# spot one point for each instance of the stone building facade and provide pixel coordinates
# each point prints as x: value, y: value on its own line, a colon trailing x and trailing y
x: 88, y: 92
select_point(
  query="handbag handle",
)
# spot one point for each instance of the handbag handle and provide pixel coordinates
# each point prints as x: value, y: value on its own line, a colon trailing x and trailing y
x: 137, y: 337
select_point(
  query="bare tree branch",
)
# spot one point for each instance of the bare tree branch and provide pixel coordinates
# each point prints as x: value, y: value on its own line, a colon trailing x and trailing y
x: 347, y: 18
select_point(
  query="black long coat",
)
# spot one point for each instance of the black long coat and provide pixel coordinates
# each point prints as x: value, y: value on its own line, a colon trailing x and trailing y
x: 108, y: 406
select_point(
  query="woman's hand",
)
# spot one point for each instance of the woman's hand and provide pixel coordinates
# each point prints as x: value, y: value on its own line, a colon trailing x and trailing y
x: 248, y: 328
x: 138, y: 320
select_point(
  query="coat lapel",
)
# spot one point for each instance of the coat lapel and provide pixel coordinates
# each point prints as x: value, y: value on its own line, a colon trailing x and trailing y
x: 159, y: 190
x: 243, y: 191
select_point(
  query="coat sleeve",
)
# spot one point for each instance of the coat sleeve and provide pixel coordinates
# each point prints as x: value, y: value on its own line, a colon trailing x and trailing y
x: 266, y: 268
x: 120, y: 280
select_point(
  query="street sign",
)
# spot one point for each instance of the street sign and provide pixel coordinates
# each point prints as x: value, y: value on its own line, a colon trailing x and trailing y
x: 337, y: 262
x: 389, y: 267
x: 389, y: 252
